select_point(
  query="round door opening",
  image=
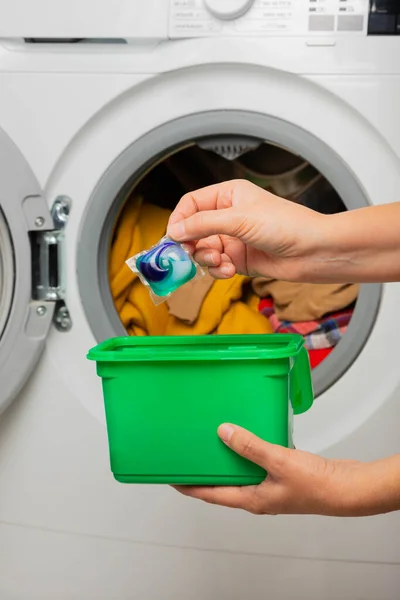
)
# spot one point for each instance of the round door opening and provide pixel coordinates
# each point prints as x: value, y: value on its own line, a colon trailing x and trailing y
x: 334, y: 320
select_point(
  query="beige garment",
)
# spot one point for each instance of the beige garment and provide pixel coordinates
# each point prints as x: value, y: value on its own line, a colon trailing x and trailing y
x: 186, y: 302
x: 305, y: 301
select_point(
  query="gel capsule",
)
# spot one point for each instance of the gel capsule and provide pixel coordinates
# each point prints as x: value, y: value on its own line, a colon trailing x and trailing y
x: 166, y: 267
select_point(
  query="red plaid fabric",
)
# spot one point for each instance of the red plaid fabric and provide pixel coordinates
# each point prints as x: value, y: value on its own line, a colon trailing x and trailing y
x: 317, y: 335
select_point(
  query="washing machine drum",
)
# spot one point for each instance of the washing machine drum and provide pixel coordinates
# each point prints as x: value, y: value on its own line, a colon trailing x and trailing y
x: 231, y: 143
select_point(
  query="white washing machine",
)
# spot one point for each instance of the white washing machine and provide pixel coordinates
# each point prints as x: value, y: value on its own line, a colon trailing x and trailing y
x: 92, y: 94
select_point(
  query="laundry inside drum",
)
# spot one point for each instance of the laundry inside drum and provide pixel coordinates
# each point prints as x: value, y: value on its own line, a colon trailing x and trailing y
x: 319, y: 312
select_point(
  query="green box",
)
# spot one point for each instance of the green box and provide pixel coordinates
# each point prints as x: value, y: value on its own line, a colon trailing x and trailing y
x: 166, y: 396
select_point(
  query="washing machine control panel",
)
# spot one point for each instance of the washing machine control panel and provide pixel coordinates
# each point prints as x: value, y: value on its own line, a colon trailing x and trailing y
x: 228, y: 9
x: 209, y: 18
x: 384, y: 17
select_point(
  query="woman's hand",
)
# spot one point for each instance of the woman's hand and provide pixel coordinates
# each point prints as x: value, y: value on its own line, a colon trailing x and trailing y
x: 303, y: 483
x: 237, y: 227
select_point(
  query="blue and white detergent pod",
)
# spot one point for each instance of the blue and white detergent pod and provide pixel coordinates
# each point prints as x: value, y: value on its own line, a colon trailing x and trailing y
x: 164, y: 268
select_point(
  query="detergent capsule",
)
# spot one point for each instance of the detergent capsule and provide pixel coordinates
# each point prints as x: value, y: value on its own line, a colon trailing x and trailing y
x: 164, y: 268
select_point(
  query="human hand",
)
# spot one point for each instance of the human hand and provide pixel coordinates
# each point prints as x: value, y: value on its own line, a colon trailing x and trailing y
x: 236, y: 227
x: 297, y: 482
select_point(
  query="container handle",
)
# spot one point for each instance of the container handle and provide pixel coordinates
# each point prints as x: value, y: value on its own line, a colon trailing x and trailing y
x: 302, y: 394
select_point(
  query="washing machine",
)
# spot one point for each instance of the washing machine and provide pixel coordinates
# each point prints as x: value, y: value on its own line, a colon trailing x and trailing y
x: 93, y: 95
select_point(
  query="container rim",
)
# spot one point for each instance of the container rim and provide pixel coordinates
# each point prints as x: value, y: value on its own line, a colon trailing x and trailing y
x: 191, y: 348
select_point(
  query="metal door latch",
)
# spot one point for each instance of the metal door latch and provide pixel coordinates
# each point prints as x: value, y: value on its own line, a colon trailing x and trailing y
x: 47, y: 235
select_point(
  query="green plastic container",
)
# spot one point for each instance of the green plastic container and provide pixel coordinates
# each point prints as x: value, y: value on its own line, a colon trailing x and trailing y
x: 166, y: 396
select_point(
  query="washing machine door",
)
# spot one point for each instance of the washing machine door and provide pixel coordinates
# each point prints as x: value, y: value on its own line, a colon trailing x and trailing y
x: 29, y: 286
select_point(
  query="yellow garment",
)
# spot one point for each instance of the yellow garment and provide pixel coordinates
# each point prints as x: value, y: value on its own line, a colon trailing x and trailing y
x: 223, y: 311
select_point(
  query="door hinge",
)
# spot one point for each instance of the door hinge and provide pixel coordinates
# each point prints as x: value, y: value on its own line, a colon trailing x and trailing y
x: 47, y: 235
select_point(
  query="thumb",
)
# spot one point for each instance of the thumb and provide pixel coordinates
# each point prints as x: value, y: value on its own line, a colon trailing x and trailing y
x: 269, y: 456
x: 224, y: 221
